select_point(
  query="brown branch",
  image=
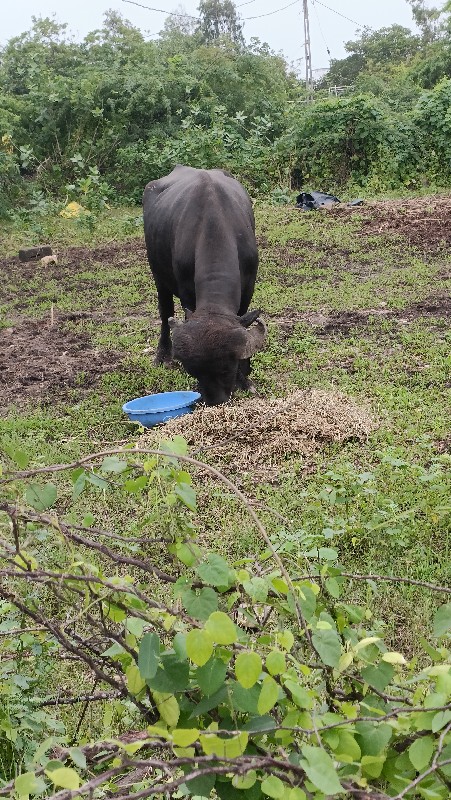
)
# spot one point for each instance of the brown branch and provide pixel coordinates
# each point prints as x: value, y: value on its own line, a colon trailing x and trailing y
x: 15, y: 527
x: 385, y: 578
x: 291, y: 774
x: 433, y: 768
x: 387, y: 697
x: 54, y: 522
x: 214, y: 765
x: 61, y: 638
x: 110, y: 535
x: 42, y: 576
x: 149, y: 451
x: 199, y: 464
x: 391, y: 579
x: 345, y: 722
x: 83, y: 712
x: 82, y: 698
x: 19, y: 631
x: 390, y: 715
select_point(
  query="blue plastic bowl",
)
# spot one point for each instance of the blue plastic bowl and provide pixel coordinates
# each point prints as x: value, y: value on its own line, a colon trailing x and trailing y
x: 156, y: 408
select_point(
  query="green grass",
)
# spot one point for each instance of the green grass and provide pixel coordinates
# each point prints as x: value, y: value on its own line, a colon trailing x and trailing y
x: 115, y: 224
x: 393, y: 522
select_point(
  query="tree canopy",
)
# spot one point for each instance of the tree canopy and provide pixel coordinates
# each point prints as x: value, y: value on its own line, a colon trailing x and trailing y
x: 118, y: 110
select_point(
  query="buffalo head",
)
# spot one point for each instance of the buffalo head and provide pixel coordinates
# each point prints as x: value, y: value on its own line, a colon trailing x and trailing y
x: 211, y: 347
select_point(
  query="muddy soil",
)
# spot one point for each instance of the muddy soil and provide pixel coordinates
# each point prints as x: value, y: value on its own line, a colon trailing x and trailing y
x: 344, y: 322
x: 423, y: 223
x: 39, y: 362
x: 73, y: 260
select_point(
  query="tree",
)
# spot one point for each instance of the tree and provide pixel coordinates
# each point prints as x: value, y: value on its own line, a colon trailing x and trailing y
x: 179, y: 23
x: 382, y: 48
x: 427, y: 19
x: 219, y: 18
x: 118, y: 33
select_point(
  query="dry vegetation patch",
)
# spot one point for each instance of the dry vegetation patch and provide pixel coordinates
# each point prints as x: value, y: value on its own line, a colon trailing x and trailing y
x: 257, y: 435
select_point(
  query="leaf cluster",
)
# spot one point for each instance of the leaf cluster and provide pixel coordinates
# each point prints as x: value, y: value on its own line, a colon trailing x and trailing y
x: 244, y: 678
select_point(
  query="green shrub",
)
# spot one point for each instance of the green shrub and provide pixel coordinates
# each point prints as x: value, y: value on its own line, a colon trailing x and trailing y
x: 432, y: 119
x: 244, y: 678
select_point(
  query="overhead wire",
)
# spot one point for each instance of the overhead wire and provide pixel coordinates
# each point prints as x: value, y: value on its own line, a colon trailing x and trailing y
x: 189, y: 16
x: 334, y: 11
x: 320, y: 28
x: 161, y: 10
x: 257, y: 16
x: 270, y: 13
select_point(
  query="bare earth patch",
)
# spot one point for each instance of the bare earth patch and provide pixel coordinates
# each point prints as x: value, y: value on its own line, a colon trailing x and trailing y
x: 423, y: 222
x: 20, y: 279
x: 39, y: 362
x: 344, y: 322
x: 72, y: 260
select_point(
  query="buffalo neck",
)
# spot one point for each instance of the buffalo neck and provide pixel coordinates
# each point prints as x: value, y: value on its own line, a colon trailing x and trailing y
x: 217, y: 272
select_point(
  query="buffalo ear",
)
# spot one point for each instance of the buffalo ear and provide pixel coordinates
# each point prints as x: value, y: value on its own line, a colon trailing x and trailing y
x: 247, y: 319
x: 188, y: 313
x: 255, y: 339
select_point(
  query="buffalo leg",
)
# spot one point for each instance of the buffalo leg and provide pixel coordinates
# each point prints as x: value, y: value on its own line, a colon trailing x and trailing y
x: 244, y: 366
x: 166, y: 309
x: 242, y: 379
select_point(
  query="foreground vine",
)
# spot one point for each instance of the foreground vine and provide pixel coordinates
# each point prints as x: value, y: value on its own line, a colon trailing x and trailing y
x: 240, y: 679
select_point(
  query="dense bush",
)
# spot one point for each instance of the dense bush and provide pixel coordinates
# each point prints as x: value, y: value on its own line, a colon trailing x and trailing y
x: 432, y: 118
x: 337, y: 140
x: 131, y: 109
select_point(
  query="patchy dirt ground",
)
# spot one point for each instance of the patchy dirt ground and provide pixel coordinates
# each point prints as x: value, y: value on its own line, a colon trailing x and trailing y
x: 73, y: 260
x: 343, y: 322
x: 43, y: 362
x: 424, y: 223
x: 38, y: 362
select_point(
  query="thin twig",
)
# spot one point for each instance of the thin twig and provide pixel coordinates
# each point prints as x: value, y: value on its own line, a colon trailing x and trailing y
x: 391, y: 579
x: 433, y: 768
x: 82, y: 716
x: 383, y: 578
x: 69, y: 701
x: 199, y: 464
x: 54, y: 522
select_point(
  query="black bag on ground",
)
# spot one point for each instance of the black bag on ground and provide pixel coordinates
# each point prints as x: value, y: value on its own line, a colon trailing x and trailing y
x: 309, y: 201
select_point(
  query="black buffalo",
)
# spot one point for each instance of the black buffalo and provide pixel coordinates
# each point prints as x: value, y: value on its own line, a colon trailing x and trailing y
x: 200, y: 238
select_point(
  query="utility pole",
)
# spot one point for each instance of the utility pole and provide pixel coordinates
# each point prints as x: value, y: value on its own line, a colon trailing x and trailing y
x: 308, y: 52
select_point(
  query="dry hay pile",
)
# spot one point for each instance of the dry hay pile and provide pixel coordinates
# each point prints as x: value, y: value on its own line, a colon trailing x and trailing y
x: 256, y: 435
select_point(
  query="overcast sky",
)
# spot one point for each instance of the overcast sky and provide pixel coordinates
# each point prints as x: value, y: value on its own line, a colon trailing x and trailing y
x: 283, y: 30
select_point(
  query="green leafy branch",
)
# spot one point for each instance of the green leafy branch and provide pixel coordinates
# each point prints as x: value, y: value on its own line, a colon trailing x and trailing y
x: 252, y: 679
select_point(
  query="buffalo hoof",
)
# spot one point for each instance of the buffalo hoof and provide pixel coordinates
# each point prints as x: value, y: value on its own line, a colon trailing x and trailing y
x: 163, y: 358
x: 244, y: 383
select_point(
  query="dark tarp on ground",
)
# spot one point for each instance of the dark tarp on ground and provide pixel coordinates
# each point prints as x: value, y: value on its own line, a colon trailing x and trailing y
x: 308, y: 201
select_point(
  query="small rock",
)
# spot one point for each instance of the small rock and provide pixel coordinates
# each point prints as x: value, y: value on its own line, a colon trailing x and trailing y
x: 49, y: 260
